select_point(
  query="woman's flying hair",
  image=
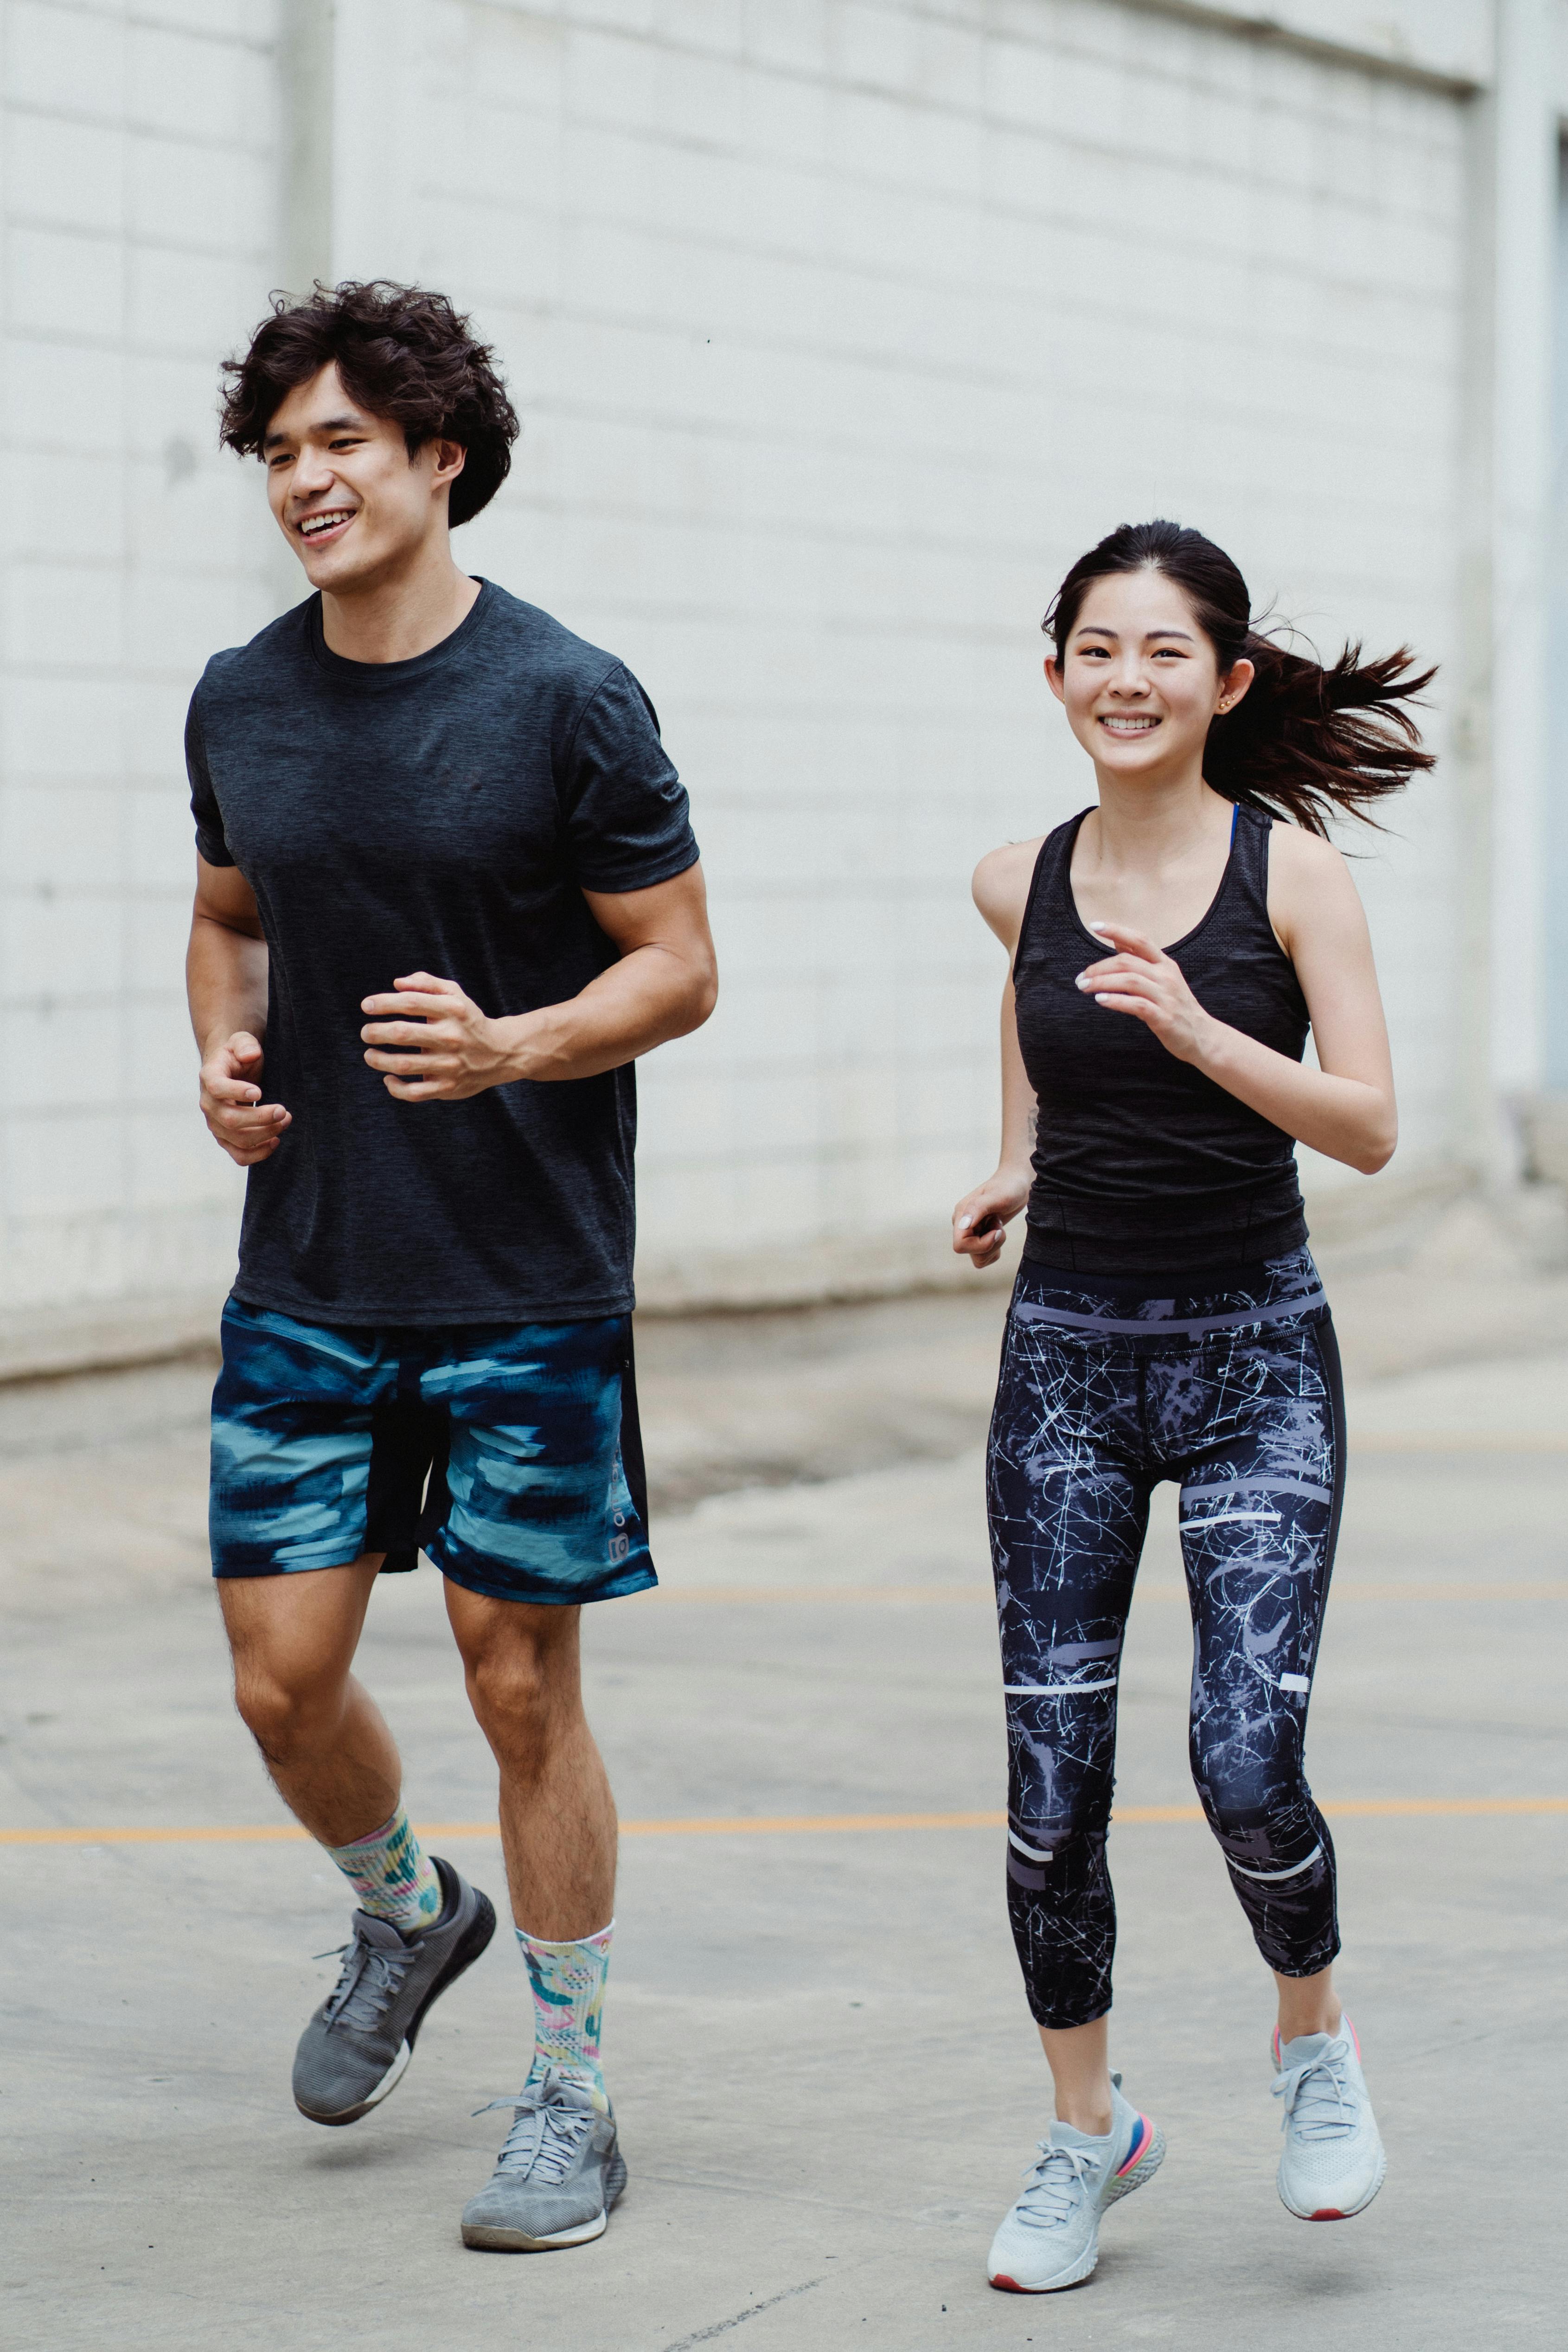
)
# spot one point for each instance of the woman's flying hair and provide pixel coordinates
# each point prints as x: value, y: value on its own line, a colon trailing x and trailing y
x: 1304, y: 741
x: 403, y: 353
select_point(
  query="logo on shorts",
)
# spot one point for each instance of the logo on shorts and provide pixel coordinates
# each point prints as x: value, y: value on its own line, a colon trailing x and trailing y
x: 619, y: 1548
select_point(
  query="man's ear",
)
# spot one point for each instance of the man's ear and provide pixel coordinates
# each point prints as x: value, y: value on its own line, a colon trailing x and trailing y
x: 450, y: 459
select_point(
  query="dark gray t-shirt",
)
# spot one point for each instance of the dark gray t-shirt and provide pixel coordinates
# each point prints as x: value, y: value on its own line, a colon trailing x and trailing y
x: 443, y: 814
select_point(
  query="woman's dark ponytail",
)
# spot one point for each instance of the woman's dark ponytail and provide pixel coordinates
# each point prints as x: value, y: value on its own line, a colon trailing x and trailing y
x: 1303, y: 743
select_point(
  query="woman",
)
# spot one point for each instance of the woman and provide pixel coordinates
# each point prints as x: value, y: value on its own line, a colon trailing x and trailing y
x: 1168, y: 1320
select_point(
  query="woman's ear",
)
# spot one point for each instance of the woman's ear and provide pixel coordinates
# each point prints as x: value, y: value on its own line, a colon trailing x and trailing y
x: 1233, y: 685
x: 1053, y: 676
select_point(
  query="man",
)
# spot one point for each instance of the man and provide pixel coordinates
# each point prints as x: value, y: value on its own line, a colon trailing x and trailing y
x: 446, y: 893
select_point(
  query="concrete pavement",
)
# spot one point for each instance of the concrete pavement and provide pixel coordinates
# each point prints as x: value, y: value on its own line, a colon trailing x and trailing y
x: 826, y: 2077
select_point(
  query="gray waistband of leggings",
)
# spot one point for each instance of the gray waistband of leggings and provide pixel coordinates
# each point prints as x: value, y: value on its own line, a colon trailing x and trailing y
x: 1158, y: 1326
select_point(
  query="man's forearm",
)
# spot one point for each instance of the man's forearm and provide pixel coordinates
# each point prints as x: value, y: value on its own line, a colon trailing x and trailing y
x: 225, y: 982
x: 648, y: 997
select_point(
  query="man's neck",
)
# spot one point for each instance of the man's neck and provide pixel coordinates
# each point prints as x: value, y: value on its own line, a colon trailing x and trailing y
x: 396, y: 620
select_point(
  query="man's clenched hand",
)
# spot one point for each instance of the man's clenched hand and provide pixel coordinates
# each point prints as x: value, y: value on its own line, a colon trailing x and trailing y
x: 432, y: 1044
x: 248, y: 1128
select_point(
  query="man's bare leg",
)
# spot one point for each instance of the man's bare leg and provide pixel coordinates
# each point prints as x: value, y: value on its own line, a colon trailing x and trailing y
x: 334, y: 1765
x: 560, y: 2170
x: 321, y: 1734
x: 558, y: 1816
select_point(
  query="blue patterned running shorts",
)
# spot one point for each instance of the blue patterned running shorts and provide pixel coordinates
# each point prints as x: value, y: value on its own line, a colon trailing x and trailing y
x: 510, y: 1452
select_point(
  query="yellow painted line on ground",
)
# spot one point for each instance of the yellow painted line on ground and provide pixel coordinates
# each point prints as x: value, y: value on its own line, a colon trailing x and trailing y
x: 1459, y: 1441
x: 787, y: 1596
x: 1549, y: 1588
x: 1439, y: 1588
x: 1372, y: 1808
x: 1402, y: 1808
x: 788, y: 1824
x: 790, y: 1596
x: 915, y: 1596
x: 251, y: 1833
x: 809, y: 1824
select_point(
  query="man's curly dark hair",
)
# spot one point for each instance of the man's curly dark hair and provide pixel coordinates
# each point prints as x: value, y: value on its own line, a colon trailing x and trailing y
x: 403, y: 352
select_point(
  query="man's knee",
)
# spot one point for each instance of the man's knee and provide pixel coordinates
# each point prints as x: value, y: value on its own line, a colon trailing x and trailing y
x: 509, y: 1684
x: 284, y: 1703
x: 292, y: 1639
x: 522, y: 1679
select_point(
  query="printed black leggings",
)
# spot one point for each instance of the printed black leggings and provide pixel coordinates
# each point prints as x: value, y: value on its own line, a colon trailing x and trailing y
x: 1236, y: 1396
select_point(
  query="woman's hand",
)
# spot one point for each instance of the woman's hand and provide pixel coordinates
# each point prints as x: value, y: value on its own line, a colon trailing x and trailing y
x: 1142, y: 980
x: 981, y: 1219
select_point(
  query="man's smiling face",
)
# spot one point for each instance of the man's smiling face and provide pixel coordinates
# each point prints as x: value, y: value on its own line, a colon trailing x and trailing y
x: 353, y: 504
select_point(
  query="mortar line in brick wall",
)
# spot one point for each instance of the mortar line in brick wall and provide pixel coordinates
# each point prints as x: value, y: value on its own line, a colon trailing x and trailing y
x: 181, y: 28
x: 1258, y: 30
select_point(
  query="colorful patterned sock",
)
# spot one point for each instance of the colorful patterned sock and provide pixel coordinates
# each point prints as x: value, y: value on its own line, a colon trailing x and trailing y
x: 568, y: 1981
x: 392, y: 1876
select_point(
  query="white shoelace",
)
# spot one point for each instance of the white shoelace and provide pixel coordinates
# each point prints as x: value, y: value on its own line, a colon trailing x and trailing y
x: 552, y: 2122
x: 1055, y: 2186
x: 370, y: 1982
x: 1318, y: 2102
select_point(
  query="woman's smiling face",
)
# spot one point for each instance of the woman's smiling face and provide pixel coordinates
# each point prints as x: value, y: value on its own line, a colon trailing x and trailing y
x: 1139, y: 677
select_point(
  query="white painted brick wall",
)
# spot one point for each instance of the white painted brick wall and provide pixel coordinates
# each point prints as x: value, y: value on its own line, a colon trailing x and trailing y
x: 838, y: 331
x: 141, y: 201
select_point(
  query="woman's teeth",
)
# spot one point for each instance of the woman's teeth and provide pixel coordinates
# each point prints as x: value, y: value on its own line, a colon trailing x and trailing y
x: 1129, y: 726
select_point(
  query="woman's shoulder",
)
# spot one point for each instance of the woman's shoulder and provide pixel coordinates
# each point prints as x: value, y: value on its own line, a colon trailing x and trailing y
x: 1310, y: 884
x: 1001, y: 884
x: 1303, y: 861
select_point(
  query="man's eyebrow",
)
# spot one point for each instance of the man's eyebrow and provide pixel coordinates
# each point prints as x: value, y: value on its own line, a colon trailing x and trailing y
x: 327, y: 424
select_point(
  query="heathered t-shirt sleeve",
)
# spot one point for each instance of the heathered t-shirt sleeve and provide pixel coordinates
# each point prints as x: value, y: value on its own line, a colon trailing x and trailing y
x: 625, y: 808
x: 204, y: 808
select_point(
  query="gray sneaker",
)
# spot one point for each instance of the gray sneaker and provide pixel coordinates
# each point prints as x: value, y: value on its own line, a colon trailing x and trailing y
x: 1052, y: 2237
x: 1332, y: 2164
x: 358, y: 2045
x: 559, y: 2173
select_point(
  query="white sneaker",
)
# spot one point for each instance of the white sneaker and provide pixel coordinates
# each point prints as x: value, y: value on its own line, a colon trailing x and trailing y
x: 1052, y: 2237
x: 1334, y: 2162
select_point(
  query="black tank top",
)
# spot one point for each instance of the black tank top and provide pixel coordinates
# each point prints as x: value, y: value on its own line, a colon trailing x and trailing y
x: 1142, y: 1164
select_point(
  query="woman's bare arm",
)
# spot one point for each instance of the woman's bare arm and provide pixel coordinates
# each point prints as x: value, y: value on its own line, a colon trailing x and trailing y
x: 1344, y: 1109
x: 981, y: 1218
